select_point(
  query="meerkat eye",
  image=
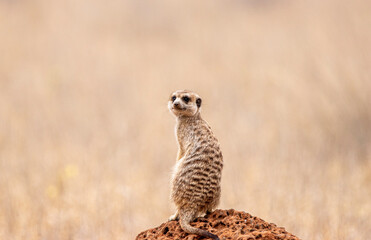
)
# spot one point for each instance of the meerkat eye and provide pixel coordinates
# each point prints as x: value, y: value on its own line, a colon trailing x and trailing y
x: 185, y: 99
x: 173, y: 98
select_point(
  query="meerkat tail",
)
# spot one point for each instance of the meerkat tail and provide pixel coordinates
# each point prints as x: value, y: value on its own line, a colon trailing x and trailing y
x: 185, y: 221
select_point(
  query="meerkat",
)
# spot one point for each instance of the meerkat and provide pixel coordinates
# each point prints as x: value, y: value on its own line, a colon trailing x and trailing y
x: 195, y: 184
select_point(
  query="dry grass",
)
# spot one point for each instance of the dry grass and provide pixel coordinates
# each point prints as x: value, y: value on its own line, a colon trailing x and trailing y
x: 87, y: 144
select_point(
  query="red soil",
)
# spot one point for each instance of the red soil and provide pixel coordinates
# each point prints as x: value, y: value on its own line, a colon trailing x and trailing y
x: 227, y: 224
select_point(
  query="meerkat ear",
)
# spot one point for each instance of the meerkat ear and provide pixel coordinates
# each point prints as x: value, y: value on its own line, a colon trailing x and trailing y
x: 198, y: 102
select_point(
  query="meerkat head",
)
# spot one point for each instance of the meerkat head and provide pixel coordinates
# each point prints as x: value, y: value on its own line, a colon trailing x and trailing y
x: 184, y: 103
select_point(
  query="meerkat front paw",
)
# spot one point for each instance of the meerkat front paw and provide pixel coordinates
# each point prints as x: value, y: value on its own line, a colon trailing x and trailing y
x: 174, y: 217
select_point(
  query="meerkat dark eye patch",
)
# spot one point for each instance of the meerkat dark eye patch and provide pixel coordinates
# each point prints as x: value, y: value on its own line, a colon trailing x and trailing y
x: 198, y: 102
x: 173, y: 98
x: 185, y: 99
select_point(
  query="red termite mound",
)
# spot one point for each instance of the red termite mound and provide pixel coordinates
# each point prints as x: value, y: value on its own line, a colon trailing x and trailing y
x: 227, y: 224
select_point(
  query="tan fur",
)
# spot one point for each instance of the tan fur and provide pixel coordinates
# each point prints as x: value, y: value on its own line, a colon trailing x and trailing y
x: 197, y: 173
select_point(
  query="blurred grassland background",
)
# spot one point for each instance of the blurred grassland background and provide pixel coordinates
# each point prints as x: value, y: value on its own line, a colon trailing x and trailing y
x: 87, y: 143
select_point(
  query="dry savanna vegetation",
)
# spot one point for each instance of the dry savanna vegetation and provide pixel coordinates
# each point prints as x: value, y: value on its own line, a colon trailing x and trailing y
x: 87, y: 143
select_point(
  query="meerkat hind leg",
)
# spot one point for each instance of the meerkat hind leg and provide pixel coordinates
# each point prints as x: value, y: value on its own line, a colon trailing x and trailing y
x: 209, y: 210
x: 175, y: 216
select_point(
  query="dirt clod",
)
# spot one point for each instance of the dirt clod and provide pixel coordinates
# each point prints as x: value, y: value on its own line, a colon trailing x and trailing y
x: 227, y: 224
